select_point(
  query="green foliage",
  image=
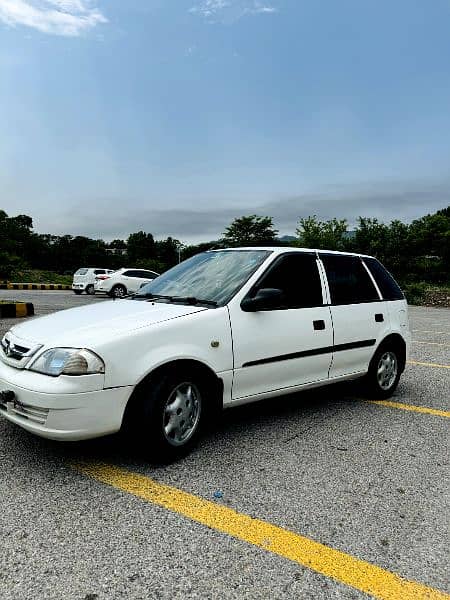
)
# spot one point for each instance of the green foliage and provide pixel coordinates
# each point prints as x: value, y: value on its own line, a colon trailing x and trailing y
x: 139, y: 245
x: 322, y: 235
x: 250, y: 230
x: 418, y: 254
x: 39, y: 276
x: 415, y: 292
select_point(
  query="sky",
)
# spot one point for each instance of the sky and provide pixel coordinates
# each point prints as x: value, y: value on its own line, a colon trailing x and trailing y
x: 175, y: 116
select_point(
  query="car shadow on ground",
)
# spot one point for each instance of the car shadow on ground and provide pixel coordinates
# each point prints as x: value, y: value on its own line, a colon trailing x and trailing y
x: 275, y: 420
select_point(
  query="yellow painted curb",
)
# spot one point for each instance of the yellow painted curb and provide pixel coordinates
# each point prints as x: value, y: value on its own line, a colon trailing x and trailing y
x: 11, y: 310
x: 35, y: 286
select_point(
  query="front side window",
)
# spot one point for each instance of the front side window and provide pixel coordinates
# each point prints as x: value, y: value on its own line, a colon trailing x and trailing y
x: 297, y: 276
x: 215, y: 276
x: 348, y: 280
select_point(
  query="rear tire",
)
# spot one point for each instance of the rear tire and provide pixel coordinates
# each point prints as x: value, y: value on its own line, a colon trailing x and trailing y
x: 167, y: 415
x: 384, y: 372
x: 90, y: 291
x: 118, y: 291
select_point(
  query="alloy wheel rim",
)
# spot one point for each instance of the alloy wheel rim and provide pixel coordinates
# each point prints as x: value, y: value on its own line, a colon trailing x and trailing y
x: 119, y: 292
x: 181, y: 414
x: 387, y: 370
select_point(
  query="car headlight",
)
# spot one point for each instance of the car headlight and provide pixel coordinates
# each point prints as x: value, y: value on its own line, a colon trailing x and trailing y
x: 68, y: 361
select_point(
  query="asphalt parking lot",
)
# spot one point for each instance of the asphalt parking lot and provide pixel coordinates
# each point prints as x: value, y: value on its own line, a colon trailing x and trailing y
x: 331, y: 479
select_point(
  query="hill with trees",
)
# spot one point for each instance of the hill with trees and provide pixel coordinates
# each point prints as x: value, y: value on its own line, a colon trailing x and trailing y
x: 417, y: 253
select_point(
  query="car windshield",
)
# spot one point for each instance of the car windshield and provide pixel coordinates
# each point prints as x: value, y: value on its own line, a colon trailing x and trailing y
x: 213, y: 276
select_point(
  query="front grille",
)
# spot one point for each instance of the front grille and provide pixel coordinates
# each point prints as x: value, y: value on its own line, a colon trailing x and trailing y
x: 26, y: 411
x: 15, y: 354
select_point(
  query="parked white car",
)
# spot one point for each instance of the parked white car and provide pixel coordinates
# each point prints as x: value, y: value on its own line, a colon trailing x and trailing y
x: 123, y: 282
x: 223, y: 328
x: 84, y: 279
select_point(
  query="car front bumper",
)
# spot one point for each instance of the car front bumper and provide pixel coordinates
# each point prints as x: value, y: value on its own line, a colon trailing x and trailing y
x: 64, y: 416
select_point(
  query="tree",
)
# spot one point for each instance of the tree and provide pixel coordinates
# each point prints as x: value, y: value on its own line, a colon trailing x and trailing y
x: 371, y: 237
x: 323, y: 235
x: 250, y: 230
x: 140, y: 245
x: 167, y: 251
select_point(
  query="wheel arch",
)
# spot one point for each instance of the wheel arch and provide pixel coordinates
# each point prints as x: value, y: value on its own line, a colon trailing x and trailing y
x: 397, y: 341
x: 215, y: 384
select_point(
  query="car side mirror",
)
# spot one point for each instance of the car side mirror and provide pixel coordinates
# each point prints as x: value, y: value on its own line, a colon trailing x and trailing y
x: 265, y: 299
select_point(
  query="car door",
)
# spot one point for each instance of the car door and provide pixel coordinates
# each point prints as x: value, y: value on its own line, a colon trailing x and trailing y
x: 290, y: 344
x: 359, y: 314
x: 131, y: 280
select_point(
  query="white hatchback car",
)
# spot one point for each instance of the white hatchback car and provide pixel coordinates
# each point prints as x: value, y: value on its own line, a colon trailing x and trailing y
x: 225, y: 327
x: 123, y: 282
x: 84, y: 279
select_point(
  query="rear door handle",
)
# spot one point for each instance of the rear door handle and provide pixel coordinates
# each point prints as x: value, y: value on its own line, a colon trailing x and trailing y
x: 379, y: 317
x: 318, y: 325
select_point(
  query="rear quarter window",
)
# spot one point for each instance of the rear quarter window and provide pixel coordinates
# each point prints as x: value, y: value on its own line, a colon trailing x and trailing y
x: 389, y: 288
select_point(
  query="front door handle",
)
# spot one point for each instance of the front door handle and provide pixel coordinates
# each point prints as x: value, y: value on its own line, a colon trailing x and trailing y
x: 318, y: 325
x: 379, y: 317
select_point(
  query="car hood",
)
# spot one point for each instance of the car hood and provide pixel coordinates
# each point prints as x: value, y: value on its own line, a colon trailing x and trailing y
x: 99, y: 321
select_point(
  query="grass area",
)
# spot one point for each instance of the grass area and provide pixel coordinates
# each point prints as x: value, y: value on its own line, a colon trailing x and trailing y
x: 422, y: 293
x: 38, y: 276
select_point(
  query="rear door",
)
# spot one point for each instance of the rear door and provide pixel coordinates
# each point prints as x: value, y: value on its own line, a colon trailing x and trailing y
x: 359, y: 314
x: 288, y: 345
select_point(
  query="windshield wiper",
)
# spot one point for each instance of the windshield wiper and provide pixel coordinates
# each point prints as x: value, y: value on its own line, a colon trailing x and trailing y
x: 183, y: 299
x: 193, y: 300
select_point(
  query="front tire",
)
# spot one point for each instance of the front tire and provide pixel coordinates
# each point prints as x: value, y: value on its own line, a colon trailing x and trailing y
x: 384, y: 372
x: 167, y: 415
x: 90, y: 291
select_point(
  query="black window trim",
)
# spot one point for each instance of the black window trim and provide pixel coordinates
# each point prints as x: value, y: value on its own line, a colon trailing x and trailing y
x: 274, y: 263
x: 361, y: 258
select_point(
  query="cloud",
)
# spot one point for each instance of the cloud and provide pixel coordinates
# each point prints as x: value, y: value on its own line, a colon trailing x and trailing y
x: 57, y: 17
x: 230, y: 10
x: 108, y: 219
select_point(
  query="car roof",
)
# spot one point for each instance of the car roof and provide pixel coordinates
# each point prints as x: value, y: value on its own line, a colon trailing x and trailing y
x: 286, y: 249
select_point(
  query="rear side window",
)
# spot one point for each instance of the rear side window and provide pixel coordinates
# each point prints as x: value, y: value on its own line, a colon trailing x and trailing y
x: 81, y: 272
x: 297, y: 276
x: 145, y: 274
x: 348, y: 280
x: 389, y: 288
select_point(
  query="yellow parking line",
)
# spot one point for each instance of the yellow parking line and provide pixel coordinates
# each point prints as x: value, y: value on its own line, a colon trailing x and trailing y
x: 412, y: 407
x: 359, y: 574
x: 431, y: 343
x: 427, y: 364
x: 428, y: 331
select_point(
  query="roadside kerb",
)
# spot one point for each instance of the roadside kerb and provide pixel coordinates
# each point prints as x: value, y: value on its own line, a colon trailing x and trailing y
x: 11, y: 310
x: 34, y: 286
